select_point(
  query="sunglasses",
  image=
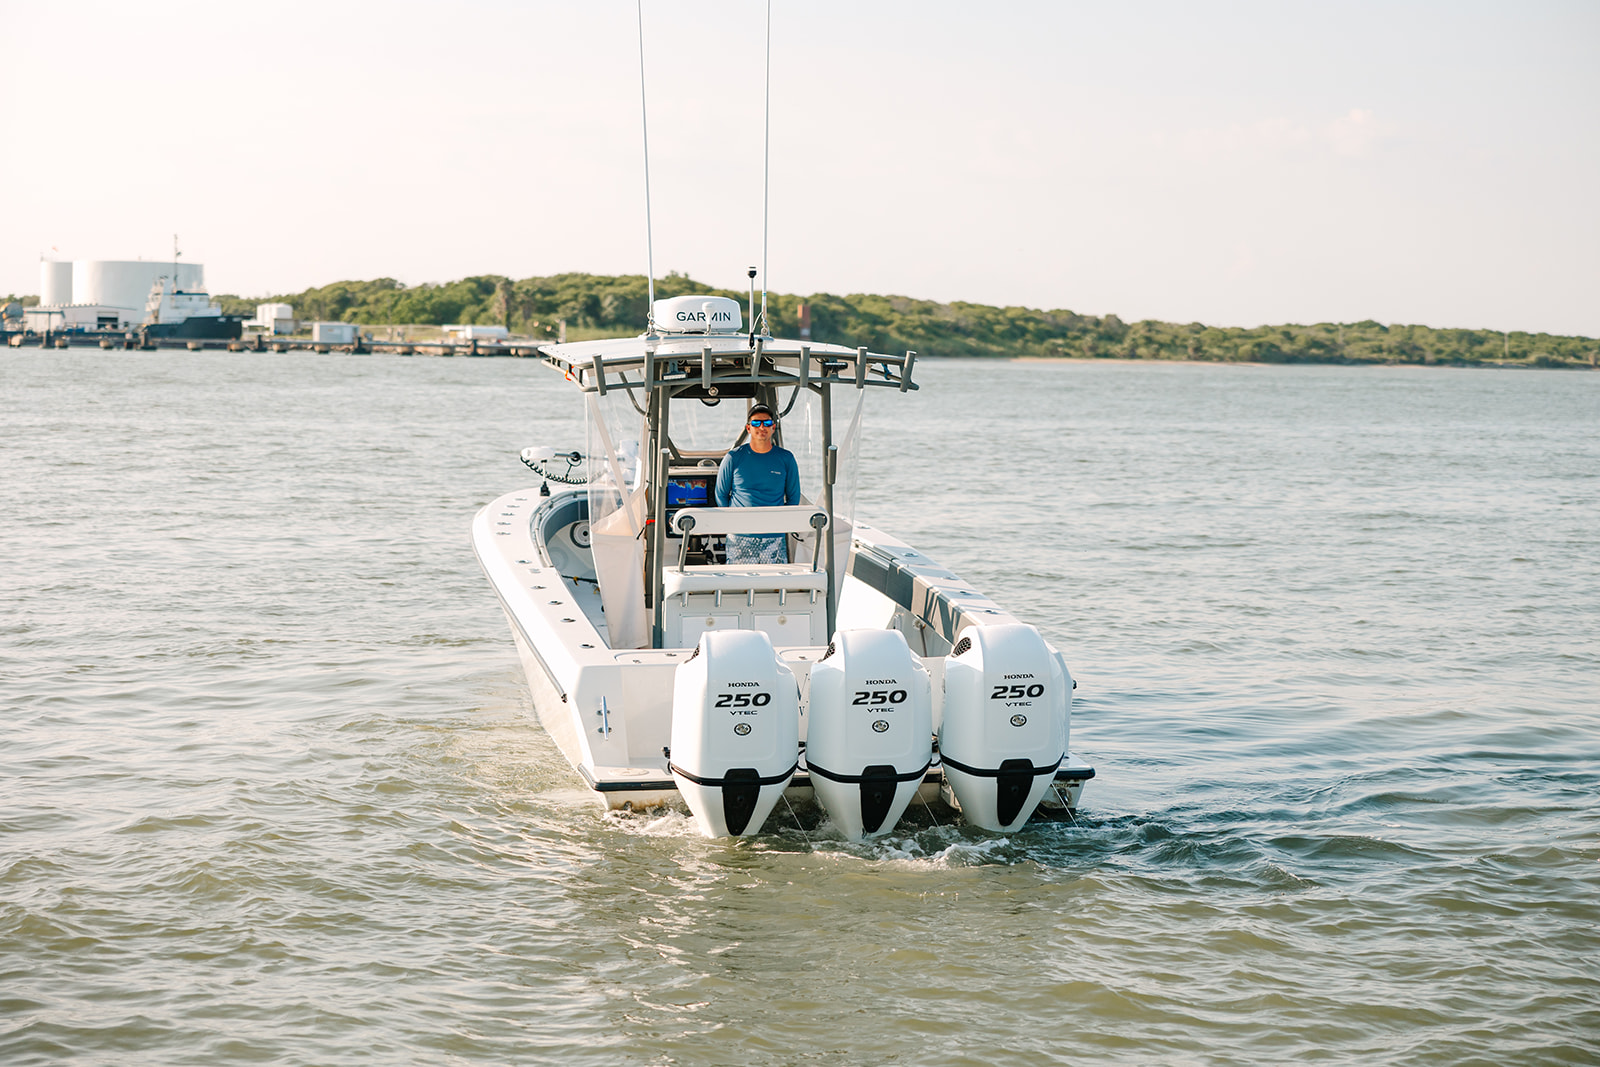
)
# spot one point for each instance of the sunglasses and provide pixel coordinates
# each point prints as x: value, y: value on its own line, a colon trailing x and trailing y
x: 760, y: 422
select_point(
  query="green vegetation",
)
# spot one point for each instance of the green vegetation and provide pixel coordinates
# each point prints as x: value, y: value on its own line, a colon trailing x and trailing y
x: 598, y: 305
x: 595, y: 305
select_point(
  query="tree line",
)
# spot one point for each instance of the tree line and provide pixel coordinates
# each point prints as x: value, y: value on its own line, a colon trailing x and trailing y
x: 600, y: 304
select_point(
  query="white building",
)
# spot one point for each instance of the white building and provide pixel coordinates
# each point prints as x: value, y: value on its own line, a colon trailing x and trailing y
x: 46, y: 318
x: 333, y: 333
x: 473, y: 332
x: 273, y: 318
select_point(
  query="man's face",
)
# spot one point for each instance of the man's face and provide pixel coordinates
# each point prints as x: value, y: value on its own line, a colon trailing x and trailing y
x: 761, y: 428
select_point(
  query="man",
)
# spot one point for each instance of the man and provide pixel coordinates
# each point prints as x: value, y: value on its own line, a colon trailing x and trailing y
x: 759, y: 474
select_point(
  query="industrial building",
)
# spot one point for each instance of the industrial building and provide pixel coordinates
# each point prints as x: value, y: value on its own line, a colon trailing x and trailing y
x: 334, y: 333
x: 273, y: 319
x: 472, y: 332
x: 104, y: 294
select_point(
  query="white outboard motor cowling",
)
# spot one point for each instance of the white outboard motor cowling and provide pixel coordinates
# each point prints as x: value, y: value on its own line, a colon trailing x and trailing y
x: 1007, y: 702
x: 735, y: 731
x: 870, y: 735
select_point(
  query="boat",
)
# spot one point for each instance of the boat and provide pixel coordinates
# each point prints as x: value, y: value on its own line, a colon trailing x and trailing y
x: 858, y: 675
x: 187, y: 314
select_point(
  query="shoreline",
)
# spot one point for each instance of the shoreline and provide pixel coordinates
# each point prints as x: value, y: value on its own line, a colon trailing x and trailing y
x: 1438, y: 365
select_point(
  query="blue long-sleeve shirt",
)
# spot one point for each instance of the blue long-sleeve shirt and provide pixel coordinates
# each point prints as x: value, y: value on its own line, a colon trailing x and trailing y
x: 751, y: 479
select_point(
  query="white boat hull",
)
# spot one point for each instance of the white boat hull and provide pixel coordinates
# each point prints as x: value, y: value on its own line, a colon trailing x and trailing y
x: 609, y: 710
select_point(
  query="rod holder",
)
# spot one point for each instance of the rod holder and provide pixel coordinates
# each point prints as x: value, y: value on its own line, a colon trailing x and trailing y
x: 861, y: 368
x: 686, y: 525
x: 600, y: 374
x: 705, y: 368
x: 818, y: 521
x: 831, y: 471
x: 905, y: 371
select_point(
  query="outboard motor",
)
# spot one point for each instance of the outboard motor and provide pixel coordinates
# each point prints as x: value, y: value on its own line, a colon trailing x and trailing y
x: 1007, y: 703
x: 870, y: 735
x: 735, y: 731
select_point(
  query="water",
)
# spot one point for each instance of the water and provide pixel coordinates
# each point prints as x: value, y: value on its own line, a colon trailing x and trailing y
x: 270, y: 791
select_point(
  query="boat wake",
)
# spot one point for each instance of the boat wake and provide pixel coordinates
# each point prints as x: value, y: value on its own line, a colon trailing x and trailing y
x: 919, y: 843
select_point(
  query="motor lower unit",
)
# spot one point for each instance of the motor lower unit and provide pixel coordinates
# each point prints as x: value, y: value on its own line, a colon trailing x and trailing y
x: 735, y: 731
x: 1007, y: 708
x: 869, y: 738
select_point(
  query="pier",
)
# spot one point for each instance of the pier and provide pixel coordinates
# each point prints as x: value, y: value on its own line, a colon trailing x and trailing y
x: 120, y: 340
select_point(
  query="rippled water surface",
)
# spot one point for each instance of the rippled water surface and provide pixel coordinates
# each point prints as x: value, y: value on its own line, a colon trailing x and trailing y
x: 270, y: 790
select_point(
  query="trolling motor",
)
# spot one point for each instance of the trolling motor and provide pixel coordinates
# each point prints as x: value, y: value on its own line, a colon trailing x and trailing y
x: 543, y: 461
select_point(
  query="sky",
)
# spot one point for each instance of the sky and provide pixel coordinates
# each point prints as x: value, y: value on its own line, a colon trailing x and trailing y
x: 1235, y: 164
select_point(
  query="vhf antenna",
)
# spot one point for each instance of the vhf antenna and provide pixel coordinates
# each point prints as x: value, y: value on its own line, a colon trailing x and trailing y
x: 644, y: 120
x: 766, y: 178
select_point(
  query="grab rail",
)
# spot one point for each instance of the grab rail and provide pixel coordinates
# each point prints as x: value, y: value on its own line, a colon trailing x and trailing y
x: 781, y: 520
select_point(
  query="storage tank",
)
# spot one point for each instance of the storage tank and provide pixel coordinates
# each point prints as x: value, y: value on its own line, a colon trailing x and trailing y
x: 126, y: 283
x: 275, y: 318
x: 55, y: 281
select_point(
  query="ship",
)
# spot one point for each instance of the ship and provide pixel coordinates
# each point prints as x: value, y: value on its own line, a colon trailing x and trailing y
x: 187, y: 314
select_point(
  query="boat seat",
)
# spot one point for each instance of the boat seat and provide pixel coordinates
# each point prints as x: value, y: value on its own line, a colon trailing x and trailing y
x: 744, y: 577
x: 786, y: 601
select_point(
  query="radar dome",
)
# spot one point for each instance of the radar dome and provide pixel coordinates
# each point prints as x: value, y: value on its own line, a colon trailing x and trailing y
x: 698, y: 314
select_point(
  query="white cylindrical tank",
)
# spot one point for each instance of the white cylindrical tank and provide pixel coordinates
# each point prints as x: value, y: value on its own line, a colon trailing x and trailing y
x: 870, y: 738
x: 125, y: 283
x: 55, y: 282
x: 735, y: 731
x: 275, y: 318
x: 1007, y: 708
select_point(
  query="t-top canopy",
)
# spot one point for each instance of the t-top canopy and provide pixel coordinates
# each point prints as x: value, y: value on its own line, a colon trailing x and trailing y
x: 718, y: 360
